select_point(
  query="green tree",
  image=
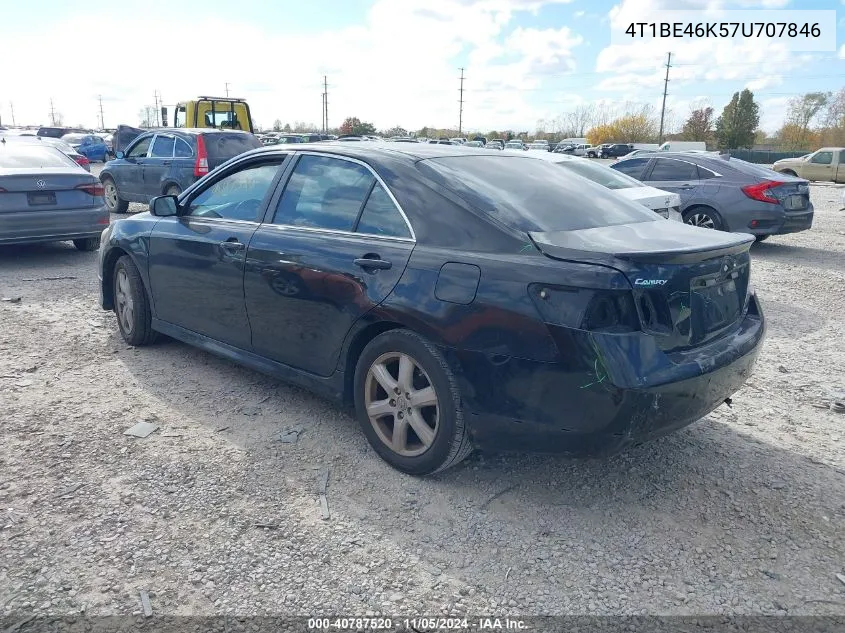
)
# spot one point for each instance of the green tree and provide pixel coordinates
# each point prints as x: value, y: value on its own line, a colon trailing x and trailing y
x: 354, y: 125
x: 699, y: 125
x: 740, y: 118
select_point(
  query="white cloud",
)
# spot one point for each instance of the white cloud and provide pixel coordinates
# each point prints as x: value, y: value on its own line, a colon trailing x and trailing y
x: 842, y: 50
x: 382, y: 70
x: 581, y: 14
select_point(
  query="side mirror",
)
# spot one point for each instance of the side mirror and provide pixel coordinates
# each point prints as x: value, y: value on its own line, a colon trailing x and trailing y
x: 119, y: 154
x: 164, y: 206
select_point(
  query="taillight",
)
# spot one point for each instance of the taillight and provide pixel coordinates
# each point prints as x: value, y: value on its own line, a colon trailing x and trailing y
x: 96, y: 189
x: 201, y: 165
x: 82, y: 160
x: 762, y: 191
x: 611, y: 311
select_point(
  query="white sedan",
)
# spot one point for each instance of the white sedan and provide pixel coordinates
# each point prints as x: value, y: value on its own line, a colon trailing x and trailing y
x: 665, y: 203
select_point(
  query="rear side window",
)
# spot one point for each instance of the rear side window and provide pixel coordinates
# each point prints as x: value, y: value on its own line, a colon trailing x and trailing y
x: 32, y: 157
x: 162, y: 147
x: 381, y: 217
x: 183, y: 150
x: 633, y: 167
x: 669, y: 169
x: 324, y: 193
x: 228, y: 145
x: 527, y: 194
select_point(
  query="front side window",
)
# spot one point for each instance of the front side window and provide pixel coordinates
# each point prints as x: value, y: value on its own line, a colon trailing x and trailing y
x: 237, y: 196
x: 822, y: 158
x: 139, y: 150
x: 633, y: 167
x: 667, y: 169
x: 324, y: 193
x: 162, y: 147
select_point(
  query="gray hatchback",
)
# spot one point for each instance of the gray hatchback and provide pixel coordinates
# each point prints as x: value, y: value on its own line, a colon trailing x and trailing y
x: 728, y: 194
x: 46, y: 197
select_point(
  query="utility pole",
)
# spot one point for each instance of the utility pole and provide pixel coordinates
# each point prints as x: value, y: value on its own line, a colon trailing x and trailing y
x: 227, y: 89
x: 12, y: 108
x: 665, y: 90
x: 155, y: 99
x: 461, y: 110
x: 52, y: 113
x: 326, y: 102
x: 102, y: 120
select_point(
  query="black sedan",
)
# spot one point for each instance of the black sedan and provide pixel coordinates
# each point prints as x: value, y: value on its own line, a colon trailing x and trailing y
x: 457, y: 298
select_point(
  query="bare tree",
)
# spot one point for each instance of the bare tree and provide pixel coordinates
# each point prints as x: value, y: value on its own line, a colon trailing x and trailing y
x: 147, y: 115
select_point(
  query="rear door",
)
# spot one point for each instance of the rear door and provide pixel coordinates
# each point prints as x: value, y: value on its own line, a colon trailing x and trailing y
x: 675, y: 175
x: 184, y: 159
x: 157, y: 164
x: 333, y: 247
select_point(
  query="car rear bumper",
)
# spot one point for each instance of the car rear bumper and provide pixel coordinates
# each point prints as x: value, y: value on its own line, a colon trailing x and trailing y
x: 773, y: 221
x: 546, y: 407
x: 52, y: 226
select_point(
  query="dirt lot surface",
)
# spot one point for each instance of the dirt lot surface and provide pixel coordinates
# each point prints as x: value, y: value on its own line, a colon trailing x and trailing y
x: 741, y: 513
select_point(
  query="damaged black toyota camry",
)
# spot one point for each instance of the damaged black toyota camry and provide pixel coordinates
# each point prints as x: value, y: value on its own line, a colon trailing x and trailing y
x: 454, y: 298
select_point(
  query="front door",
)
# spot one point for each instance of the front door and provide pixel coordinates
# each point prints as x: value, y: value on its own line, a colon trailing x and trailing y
x: 129, y: 173
x: 820, y: 166
x: 335, y: 247
x: 197, y: 258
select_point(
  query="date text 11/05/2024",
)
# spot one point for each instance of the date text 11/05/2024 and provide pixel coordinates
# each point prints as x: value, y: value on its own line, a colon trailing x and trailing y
x: 416, y: 624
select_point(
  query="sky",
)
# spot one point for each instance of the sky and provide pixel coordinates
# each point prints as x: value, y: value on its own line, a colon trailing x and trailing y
x: 389, y: 62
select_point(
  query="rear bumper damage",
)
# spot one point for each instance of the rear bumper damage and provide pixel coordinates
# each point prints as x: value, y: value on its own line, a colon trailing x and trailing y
x: 631, y: 396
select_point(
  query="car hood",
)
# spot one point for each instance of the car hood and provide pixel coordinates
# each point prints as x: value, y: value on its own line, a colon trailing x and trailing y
x: 788, y: 162
x: 650, y: 197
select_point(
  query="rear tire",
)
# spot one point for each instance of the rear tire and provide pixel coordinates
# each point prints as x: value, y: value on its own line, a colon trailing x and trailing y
x: 88, y: 244
x: 416, y: 439
x: 112, y: 196
x: 704, y: 217
x: 130, y: 304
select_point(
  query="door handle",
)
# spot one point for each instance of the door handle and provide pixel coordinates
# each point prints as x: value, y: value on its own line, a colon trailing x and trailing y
x: 167, y: 162
x: 232, y: 245
x: 372, y: 262
x: 687, y: 186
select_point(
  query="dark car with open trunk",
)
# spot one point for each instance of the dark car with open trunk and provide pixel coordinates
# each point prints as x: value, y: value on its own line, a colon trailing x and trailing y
x: 455, y: 297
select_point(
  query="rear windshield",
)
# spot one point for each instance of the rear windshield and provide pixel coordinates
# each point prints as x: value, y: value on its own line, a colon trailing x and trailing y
x: 73, y: 138
x: 747, y: 168
x: 527, y: 194
x: 605, y: 176
x: 229, y: 145
x: 32, y: 156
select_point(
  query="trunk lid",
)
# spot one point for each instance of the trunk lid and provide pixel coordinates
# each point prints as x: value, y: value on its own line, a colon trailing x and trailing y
x: 53, y: 190
x: 654, y: 199
x: 689, y: 284
x: 124, y: 135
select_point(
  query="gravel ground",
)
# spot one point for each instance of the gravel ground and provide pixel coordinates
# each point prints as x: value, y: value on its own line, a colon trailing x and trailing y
x: 741, y: 513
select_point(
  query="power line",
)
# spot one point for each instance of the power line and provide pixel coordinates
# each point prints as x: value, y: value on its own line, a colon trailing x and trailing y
x: 665, y: 90
x: 461, y: 109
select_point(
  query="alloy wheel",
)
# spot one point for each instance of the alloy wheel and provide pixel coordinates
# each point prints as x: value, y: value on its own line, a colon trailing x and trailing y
x: 124, y: 302
x: 111, y: 195
x: 402, y: 404
x: 701, y: 219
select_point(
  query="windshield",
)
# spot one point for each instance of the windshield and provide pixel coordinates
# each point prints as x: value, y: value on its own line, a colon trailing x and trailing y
x: 528, y: 194
x: 605, y: 176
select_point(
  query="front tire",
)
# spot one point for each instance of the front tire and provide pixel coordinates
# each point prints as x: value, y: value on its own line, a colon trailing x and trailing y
x: 112, y: 196
x: 408, y: 404
x: 88, y: 244
x: 131, y: 305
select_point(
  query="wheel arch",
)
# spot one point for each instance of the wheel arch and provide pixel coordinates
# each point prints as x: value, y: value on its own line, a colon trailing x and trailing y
x: 711, y: 209
x: 356, y: 344
x: 109, y: 263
